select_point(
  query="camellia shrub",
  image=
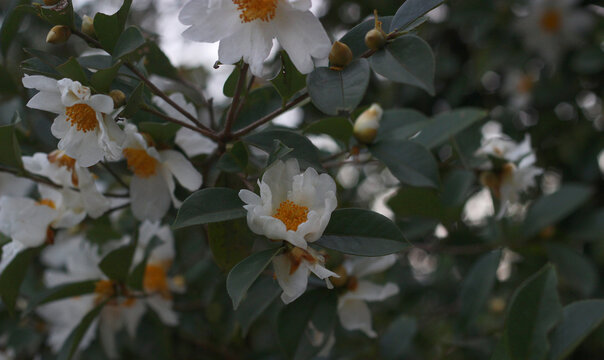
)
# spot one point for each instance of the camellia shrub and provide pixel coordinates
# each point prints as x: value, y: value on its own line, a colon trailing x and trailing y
x: 425, y: 204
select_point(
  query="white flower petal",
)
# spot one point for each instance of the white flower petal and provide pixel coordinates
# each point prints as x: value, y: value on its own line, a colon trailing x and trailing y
x: 293, y: 285
x: 355, y: 315
x: 150, y: 197
x: 182, y: 169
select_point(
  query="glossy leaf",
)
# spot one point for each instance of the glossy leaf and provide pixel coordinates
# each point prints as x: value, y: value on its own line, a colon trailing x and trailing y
x: 108, y: 28
x: 362, y: 232
x: 103, y: 78
x: 303, y: 149
x: 62, y: 291
x: 289, y: 80
x: 338, y: 128
x: 73, y: 70
x: 235, y: 160
x: 401, y: 124
x: 72, y: 342
x: 260, y: 297
x: 410, y: 11
x: 12, y: 276
x: 396, y: 341
x: 11, y: 152
x: 128, y: 42
x: 576, y: 270
x: 208, y: 206
x: 448, y: 124
x: 477, y: 285
x: 116, y: 264
x: 230, y: 241
x: 579, y: 319
x: 11, y: 24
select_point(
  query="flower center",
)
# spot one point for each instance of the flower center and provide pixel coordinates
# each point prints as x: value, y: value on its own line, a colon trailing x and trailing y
x: 82, y: 116
x: 291, y: 214
x: 104, y: 289
x: 140, y: 162
x: 551, y: 21
x: 47, y: 202
x: 296, y: 256
x: 60, y: 159
x: 251, y: 10
x: 156, y: 281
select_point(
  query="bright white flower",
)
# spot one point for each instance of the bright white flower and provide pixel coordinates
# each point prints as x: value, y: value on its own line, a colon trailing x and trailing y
x: 191, y: 142
x: 246, y: 29
x: 352, y: 308
x: 88, y: 134
x: 497, y: 144
x: 63, y: 170
x: 552, y: 26
x: 293, y: 268
x: 152, y: 186
x: 292, y: 206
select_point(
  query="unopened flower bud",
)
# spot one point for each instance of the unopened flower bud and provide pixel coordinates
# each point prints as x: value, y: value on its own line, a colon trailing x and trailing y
x: 58, y: 34
x: 88, y: 26
x: 497, y: 305
x: 340, y: 56
x: 51, y: 2
x: 342, y: 280
x: 119, y: 98
x: 375, y: 39
x: 367, y: 124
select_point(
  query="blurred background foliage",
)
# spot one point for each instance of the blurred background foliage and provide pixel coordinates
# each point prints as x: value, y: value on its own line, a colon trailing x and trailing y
x: 477, y: 52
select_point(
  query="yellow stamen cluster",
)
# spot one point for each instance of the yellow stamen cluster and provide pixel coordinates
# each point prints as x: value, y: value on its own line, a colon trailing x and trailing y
x: 296, y: 256
x: 104, y: 289
x: 291, y: 214
x: 47, y: 202
x: 551, y: 21
x: 140, y: 162
x: 494, y: 180
x: 251, y: 10
x: 60, y: 159
x: 156, y: 281
x: 82, y: 116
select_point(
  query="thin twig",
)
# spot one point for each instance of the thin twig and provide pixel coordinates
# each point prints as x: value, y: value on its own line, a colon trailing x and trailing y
x: 270, y: 116
x: 210, y: 134
x: 210, y: 104
x: 226, y: 133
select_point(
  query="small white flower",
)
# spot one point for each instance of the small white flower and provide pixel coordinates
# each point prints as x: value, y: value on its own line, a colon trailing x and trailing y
x: 246, y: 29
x: 152, y: 186
x: 495, y: 143
x: 292, y: 206
x: 352, y: 308
x: 64, y: 170
x: 552, y: 26
x: 88, y: 134
x: 191, y: 142
x: 518, y: 87
x: 293, y: 268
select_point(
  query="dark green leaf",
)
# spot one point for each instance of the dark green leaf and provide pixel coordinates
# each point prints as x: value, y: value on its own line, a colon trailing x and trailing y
x: 409, y: 60
x: 258, y: 103
x: 116, y: 264
x: 338, y: 128
x: 11, y: 24
x: 102, y: 79
x: 334, y: 92
x: 58, y: 16
x: 208, y: 206
x: 12, y: 276
x: 448, y: 124
x: 303, y: 149
x: 579, y: 319
x: 290, y: 80
x: 137, y: 275
x: 413, y: 201
x: 228, y: 89
x: 279, y: 151
x: 128, y: 42
x: 243, y: 275
x: 160, y: 132
x: 410, y: 11
x: 477, y: 285
x: 108, y: 28
x: 362, y: 232
x: 134, y: 101
x: 576, y: 270
x: 158, y: 63
x: 61, y: 292
x: 260, y: 296
x: 11, y: 152
x: 400, y: 124
x: 554, y: 207
x: 235, y: 159
x: 397, y: 339
x: 589, y: 227
x: 409, y: 162
x: 75, y: 337
x: 73, y: 70
x: 230, y: 242
x: 456, y: 187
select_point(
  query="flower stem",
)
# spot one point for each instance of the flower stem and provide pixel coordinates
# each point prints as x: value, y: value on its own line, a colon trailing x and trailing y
x: 233, y: 110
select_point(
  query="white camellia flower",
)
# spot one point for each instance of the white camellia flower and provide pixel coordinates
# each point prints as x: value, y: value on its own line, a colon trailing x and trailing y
x: 352, y: 308
x: 88, y: 134
x: 246, y: 29
x: 552, y: 26
x: 497, y: 144
x: 292, y: 206
x: 293, y: 268
x: 63, y: 170
x: 152, y: 185
x: 191, y: 142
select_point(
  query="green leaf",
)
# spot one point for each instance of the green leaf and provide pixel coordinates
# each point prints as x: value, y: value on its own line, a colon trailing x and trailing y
x: 135, y: 100
x: 339, y: 128
x: 576, y: 270
x: 549, y: 209
x: 316, y: 306
x: 11, y: 24
x: 258, y: 103
x: 137, y: 275
x: 408, y: 60
x: 235, y: 160
x: 12, y: 276
x: 73, y: 70
x: 589, y: 227
x: 303, y: 149
x: 61, y: 292
x: 160, y: 132
x: 409, y: 162
x: 11, y: 152
x: 230, y: 242
x: 396, y: 341
x: 456, y: 187
x: 7, y: 84
x: 579, y: 319
x: 355, y: 38
x: 243, y: 275
x: 75, y: 337
x: 260, y: 297
x: 158, y: 63
x: 400, y: 124
x: 279, y: 151
x: 108, y: 28
x: 410, y: 11
x: 413, y: 201
x: 290, y: 80
x: 102, y: 79
x: 128, y: 42
x: 334, y: 92
x: 116, y: 264
x: 362, y: 232
x: 477, y: 286
x: 208, y: 206
x: 448, y: 124
x: 58, y: 16
x: 228, y: 89
x: 533, y: 312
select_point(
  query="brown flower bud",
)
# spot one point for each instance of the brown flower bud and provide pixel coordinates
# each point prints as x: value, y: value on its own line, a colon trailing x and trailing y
x: 88, y: 26
x: 58, y: 34
x: 340, y: 56
x: 119, y: 98
x: 375, y: 39
x: 342, y: 280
